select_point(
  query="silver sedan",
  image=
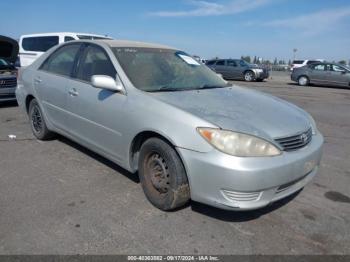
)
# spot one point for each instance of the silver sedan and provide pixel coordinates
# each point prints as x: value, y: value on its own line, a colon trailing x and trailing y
x: 156, y: 111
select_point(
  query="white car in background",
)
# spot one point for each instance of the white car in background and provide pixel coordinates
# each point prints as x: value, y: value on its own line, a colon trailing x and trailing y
x: 300, y: 63
x: 34, y: 45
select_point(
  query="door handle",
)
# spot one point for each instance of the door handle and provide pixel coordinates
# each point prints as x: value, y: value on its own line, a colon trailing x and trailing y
x: 73, y: 92
x: 37, y: 80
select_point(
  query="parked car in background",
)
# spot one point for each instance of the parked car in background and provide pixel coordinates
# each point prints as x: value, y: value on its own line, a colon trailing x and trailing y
x: 189, y: 134
x: 300, y: 63
x: 238, y: 69
x: 8, y: 72
x: 34, y: 45
x: 323, y: 74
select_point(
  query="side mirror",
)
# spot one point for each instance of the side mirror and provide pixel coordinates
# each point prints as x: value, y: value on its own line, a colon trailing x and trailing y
x: 107, y: 82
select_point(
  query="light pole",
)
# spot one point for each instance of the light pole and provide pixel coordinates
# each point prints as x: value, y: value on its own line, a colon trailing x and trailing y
x: 294, y: 53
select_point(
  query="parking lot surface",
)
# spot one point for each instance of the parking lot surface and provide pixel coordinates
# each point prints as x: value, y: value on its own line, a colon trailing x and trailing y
x: 57, y: 197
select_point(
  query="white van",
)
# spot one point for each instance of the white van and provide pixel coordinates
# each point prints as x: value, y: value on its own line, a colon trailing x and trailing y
x: 34, y: 45
x: 300, y: 63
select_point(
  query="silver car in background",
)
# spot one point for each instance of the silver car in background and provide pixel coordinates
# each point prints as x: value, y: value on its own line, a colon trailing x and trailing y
x: 155, y: 110
x: 322, y: 73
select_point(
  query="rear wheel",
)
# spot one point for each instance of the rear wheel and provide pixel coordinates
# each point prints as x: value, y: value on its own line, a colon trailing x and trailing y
x: 249, y: 76
x: 37, y: 122
x: 303, y: 81
x: 162, y: 175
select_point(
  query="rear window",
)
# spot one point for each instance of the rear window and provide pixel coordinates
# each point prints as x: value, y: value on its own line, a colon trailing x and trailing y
x: 39, y: 43
x: 298, y: 62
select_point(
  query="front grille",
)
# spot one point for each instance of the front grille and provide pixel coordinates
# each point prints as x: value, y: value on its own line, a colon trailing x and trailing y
x: 295, y: 142
x: 241, y: 196
x: 8, y: 82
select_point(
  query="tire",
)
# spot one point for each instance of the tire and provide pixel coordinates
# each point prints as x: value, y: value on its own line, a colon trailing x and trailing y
x: 162, y: 175
x: 37, y: 122
x: 303, y: 81
x: 249, y: 76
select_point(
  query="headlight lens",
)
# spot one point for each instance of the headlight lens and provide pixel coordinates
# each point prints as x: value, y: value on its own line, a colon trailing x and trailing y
x: 313, y: 125
x: 238, y: 144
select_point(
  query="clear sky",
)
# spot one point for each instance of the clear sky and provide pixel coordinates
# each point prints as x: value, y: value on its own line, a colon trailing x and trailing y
x: 224, y: 28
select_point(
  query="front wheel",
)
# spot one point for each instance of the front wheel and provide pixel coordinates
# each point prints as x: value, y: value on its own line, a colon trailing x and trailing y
x: 303, y: 81
x: 162, y: 175
x: 249, y: 76
x: 37, y: 122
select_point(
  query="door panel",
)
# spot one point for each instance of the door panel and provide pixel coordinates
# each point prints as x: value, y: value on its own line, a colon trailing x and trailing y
x: 96, y: 116
x: 51, y: 83
x: 234, y: 69
x: 53, y: 94
x: 337, y: 77
x: 318, y: 74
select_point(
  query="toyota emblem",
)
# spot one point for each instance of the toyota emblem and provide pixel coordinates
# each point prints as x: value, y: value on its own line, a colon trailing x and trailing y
x: 303, y: 138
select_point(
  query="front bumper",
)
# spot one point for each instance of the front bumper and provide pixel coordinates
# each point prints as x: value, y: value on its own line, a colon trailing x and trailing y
x: 237, y: 183
x: 262, y: 75
x: 7, y: 94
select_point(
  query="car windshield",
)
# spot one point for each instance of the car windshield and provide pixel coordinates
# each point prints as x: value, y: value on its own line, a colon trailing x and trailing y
x: 3, y: 62
x: 243, y: 63
x: 154, y: 70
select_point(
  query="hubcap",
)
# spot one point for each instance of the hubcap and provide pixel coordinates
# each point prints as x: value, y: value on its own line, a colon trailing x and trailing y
x: 36, y: 119
x: 248, y: 77
x: 158, y: 172
x: 302, y: 81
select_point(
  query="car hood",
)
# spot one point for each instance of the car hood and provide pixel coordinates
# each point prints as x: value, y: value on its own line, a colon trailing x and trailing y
x: 8, y: 49
x: 240, y: 109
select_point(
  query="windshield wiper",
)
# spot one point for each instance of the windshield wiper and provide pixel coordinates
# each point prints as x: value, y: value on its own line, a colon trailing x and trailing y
x: 175, y: 89
x: 168, y: 89
x: 213, y: 86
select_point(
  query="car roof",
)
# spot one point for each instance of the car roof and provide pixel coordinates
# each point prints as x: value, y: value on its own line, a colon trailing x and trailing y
x: 136, y: 44
x: 62, y: 33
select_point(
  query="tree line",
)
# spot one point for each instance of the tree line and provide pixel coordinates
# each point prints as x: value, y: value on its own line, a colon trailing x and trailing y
x: 257, y: 60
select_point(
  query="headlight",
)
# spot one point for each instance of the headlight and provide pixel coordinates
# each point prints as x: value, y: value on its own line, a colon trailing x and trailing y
x: 238, y: 144
x: 313, y: 125
x: 258, y: 70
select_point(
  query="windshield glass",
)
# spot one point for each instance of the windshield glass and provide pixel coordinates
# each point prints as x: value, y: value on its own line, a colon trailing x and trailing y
x: 243, y: 63
x: 3, y: 62
x: 154, y: 69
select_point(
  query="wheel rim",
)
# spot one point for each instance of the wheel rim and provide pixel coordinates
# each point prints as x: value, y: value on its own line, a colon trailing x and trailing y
x: 158, y: 173
x: 302, y: 80
x: 248, y: 76
x: 36, y: 119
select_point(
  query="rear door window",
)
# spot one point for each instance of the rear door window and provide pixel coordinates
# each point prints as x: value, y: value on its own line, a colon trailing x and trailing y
x: 61, y: 62
x: 39, y: 43
x: 95, y: 61
x: 220, y: 63
x: 319, y: 67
